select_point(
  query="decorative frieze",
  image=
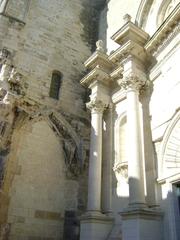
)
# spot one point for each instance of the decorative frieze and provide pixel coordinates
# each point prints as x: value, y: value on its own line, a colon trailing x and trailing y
x: 167, y: 31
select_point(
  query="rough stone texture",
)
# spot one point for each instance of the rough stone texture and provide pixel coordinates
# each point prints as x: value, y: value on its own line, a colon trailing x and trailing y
x: 37, y: 183
x: 44, y: 143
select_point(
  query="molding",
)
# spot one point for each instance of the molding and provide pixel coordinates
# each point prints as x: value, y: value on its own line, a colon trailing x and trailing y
x: 130, y: 32
x: 142, y: 13
x: 129, y: 48
x: 143, y: 213
x: 166, y: 137
x: 170, y: 179
x: 99, y: 58
x: 118, y: 96
x: 97, y: 74
x: 166, y: 32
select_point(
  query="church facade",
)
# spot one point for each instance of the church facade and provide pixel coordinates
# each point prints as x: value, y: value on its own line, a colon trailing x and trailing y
x: 89, y: 120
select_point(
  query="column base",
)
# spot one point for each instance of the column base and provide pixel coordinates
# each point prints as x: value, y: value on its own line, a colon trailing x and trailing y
x: 142, y: 224
x: 95, y: 226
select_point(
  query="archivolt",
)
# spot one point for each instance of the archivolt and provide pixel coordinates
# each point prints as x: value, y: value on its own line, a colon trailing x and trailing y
x: 169, y: 158
x: 143, y: 11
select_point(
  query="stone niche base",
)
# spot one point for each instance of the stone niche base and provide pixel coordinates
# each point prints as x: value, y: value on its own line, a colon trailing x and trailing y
x: 142, y: 224
x: 95, y: 226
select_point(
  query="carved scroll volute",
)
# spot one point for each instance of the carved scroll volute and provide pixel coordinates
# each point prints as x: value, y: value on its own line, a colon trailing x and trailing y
x: 132, y: 82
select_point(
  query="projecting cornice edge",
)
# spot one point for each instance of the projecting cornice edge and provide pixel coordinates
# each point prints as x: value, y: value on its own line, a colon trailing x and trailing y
x: 97, y: 74
x: 165, y: 32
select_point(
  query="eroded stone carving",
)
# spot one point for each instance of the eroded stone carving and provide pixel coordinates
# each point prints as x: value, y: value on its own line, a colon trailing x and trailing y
x: 73, y: 151
x: 100, y: 46
x: 17, y: 83
x: 122, y: 170
x: 132, y: 82
x: 96, y: 105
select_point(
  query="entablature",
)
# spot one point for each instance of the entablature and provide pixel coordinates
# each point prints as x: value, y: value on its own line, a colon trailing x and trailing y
x: 168, y: 30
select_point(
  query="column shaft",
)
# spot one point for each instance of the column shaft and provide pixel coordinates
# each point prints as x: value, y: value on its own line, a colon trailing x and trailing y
x: 135, y: 166
x: 107, y: 163
x: 95, y: 162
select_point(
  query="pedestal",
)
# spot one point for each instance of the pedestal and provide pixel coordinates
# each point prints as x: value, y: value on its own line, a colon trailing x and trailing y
x: 95, y: 226
x: 142, y: 224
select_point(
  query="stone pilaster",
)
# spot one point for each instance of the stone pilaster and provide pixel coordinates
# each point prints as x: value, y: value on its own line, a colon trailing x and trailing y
x: 132, y: 84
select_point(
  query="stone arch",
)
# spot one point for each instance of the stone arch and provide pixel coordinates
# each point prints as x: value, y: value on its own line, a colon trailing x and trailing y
x: 152, y: 13
x: 143, y: 11
x: 169, y: 160
x: 121, y: 164
x: 118, y: 126
x: 165, y: 9
x: 38, y: 195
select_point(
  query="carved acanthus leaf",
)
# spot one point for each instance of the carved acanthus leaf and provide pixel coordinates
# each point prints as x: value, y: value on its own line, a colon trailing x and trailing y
x: 96, y: 105
x: 132, y: 82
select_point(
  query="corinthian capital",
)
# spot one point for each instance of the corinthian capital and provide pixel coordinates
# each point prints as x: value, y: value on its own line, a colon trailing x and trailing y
x: 96, y: 106
x: 132, y: 82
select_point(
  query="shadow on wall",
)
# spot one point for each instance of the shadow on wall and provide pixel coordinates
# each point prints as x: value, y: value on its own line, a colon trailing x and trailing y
x: 90, y: 17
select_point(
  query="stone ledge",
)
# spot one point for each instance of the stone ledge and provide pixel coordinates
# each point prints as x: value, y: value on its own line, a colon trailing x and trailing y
x: 96, y: 217
x: 144, y: 213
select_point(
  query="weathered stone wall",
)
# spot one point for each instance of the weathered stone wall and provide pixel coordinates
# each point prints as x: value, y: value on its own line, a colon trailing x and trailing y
x: 37, y: 194
x: 40, y: 186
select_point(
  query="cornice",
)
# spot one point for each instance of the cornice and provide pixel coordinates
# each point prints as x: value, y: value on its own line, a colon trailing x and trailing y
x: 129, y: 48
x: 97, y: 74
x: 132, y: 32
x: 165, y: 33
x: 99, y: 58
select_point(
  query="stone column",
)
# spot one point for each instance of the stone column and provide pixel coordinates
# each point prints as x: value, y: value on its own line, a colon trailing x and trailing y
x: 107, y: 161
x: 132, y: 85
x: 95, y: 161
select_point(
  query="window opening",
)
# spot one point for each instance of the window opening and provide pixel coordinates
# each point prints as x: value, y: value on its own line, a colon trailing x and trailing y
x: 55, y: 85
